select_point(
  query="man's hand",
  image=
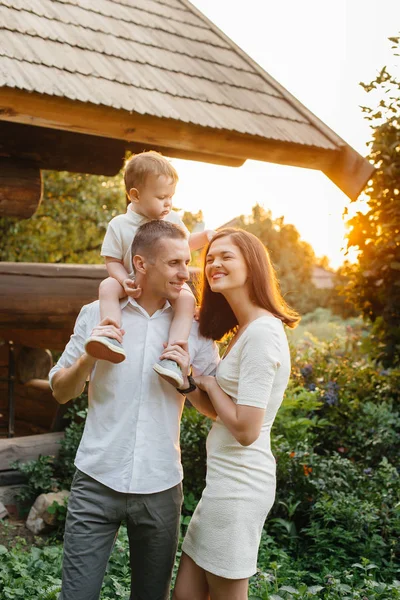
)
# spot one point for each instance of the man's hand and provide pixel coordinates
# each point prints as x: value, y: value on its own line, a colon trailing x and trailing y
x: 178, y: 351
x: 131, y: 288
x: 108, y: 328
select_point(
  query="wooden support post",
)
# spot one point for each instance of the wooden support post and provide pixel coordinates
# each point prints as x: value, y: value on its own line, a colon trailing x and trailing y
x: 20, y: 188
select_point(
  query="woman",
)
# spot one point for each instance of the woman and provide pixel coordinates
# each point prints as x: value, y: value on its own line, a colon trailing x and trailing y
x: 240, y: 294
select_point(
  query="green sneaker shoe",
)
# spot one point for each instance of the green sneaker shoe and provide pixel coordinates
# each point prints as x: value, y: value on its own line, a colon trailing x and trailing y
x: 170, y: 371
x: 105, y: 348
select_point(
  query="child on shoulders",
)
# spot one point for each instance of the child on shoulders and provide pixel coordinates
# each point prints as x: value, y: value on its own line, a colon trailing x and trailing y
x: 150, y: 182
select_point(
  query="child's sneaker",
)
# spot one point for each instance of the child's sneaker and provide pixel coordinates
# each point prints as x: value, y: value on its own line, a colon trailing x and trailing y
x: 105, y: 348
x: 170, y: 371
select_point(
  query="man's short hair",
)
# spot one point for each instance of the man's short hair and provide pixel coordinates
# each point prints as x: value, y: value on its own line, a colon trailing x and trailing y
x: 140, y: 166
x: 149, y: 235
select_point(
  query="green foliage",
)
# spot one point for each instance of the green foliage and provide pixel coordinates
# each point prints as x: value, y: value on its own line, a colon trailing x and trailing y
x: 70, y: 224
x: 374, y: 283
x: 293, y: 259
x: 76, y: 415
x: 40, y: 479
x: 30, y: 574
x: 334, y: 531
x: 50, y: 474
x: 194, y: 431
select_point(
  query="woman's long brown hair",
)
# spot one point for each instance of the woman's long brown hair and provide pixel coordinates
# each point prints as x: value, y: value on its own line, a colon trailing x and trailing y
x: 216, y: 316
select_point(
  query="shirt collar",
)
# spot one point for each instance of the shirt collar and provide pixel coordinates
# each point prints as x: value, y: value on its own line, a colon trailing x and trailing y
x: 135, y: 217
x: 132, y: 302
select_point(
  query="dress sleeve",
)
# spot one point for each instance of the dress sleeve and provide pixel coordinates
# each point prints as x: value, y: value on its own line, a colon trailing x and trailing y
x: 258, y: 364
x: 76, y: 345
x: 112, y: 245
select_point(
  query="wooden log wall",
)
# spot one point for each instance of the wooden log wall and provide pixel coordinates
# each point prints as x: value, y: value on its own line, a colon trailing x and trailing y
x: 35, y: 408
x: 20, y: 188
x: 40, y: 302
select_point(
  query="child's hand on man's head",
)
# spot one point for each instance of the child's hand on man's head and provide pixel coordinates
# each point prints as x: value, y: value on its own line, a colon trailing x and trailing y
x: 131, y: 288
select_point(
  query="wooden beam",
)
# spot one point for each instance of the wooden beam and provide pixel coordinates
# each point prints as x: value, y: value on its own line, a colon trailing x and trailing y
x: 28, y: 448
x: 40, y: 302
x: 36, y: 297
x: 61, y: 150
x: 20, y: 188
x: 60, y: 113
x: 350, y: 172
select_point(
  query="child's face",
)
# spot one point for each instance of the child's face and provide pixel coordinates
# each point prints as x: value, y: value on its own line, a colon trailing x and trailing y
x: 154, y: 198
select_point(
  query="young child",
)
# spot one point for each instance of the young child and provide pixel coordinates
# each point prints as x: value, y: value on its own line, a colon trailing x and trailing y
x: 150, y: 182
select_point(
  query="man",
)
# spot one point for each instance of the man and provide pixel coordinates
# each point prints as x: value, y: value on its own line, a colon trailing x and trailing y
x: 128, y: 462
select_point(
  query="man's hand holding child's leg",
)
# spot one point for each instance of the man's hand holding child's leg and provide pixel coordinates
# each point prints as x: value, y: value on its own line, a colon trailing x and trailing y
x: 105, y: 342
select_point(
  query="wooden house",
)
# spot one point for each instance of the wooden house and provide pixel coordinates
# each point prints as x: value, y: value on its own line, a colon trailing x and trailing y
x: 82, y: 82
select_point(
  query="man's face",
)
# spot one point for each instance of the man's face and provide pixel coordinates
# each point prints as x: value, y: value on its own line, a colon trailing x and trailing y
x: 154, y: 198
x: 168, y: 270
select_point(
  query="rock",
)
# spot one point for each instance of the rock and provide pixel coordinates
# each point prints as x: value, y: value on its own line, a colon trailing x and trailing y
x: 39, y: 518
x: 3, y: 511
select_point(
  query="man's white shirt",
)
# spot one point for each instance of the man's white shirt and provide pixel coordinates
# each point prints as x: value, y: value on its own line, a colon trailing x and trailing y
x: 131, y: 437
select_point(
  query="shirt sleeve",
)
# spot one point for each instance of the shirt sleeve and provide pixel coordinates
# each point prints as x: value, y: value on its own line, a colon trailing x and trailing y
x: 206, y: 359
x: 173, y: 217
x: 258, y: 365
x: 112, y: 243
x: 76, y: 345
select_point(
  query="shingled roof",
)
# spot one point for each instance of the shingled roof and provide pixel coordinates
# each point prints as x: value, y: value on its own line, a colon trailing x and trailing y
x: 164, y: 61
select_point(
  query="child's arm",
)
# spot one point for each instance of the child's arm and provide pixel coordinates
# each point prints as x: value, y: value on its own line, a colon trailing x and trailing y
x: 117, y: 271
x: 200, y: 239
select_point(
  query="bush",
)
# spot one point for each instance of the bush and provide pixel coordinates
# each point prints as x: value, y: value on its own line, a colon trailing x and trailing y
x: 194, y: 431
x: 51, y: 474
x: 334, y: 530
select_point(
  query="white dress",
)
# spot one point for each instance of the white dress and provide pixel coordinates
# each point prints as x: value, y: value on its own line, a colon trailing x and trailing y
x: 225, y: 531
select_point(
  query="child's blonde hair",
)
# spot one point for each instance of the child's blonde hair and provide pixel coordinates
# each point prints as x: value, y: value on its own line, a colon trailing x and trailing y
x: 140, y: 166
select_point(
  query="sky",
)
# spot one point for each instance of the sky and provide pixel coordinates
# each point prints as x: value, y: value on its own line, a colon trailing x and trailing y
x: 319, y: 50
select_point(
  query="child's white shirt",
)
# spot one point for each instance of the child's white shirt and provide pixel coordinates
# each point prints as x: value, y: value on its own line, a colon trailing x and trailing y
x: 122, y: 229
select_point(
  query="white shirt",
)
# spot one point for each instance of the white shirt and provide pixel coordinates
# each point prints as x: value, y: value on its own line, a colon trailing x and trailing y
x: 122, y: 229
x: 131, y: 438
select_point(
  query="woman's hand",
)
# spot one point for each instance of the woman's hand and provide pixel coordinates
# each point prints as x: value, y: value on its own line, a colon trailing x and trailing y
x: 205, y: 382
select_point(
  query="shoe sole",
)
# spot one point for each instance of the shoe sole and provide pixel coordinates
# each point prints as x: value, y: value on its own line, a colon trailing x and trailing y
x: 166, y: 374
x: 101, y: 351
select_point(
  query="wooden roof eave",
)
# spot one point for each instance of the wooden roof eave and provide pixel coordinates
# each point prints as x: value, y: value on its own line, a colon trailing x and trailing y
x: 178, y: 139
x: 349, y: 170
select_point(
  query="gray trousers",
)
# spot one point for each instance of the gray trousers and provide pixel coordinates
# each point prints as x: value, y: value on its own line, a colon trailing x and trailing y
x: 94, y: 515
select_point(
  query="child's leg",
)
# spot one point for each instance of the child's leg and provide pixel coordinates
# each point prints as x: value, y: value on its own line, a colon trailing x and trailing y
x: 105, y: 348
x: 110, y: 293
x: 184, y: 308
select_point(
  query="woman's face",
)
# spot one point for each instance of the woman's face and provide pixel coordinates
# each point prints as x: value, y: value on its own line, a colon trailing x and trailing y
x: 226, y: 269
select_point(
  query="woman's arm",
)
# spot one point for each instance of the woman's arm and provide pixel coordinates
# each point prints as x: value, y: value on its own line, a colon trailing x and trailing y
x: 179, y: 353
x: 202, y: 403
x: 244, y: 422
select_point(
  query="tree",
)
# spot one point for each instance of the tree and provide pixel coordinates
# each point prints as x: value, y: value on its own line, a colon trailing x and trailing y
x: 71, y: 222
x: 69, y: 225
x: 293, y: 258
x: 374, y: 283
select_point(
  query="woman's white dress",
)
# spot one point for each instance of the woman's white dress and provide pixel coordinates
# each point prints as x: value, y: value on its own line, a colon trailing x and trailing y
x: 225, y: 531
